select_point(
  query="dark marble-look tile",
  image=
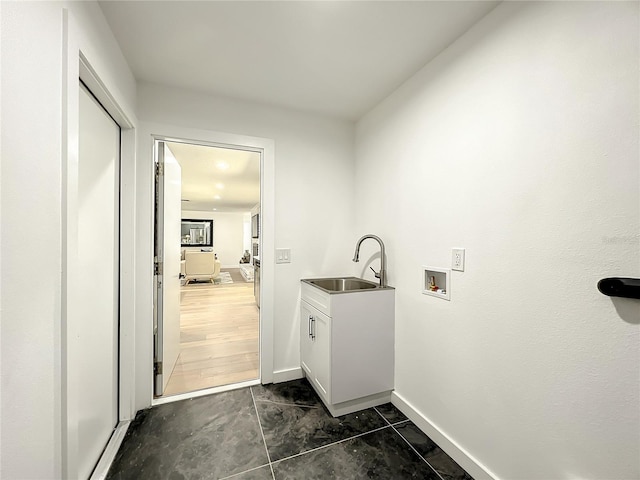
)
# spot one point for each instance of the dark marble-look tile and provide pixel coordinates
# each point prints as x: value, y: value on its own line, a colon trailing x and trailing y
x: 262, y: 473
x: 294, y: 420
x: 381, y: 454
x: 438, y: 459
x: 295, y: 392
x: 207, y: 437
x: 391, y: 413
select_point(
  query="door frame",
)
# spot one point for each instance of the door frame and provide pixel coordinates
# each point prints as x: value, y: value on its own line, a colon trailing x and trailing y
x: 77, y: 67
x: 149, y: 134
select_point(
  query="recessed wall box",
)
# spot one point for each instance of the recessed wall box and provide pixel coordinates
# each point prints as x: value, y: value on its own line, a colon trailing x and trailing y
x: 436, y: 282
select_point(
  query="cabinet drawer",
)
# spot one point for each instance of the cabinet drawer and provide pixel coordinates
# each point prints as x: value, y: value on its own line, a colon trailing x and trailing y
x: 316, y: 298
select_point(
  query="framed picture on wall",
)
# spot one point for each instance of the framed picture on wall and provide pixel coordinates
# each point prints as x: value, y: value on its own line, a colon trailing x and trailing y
x: 196, y: 233
x: 255, y: 226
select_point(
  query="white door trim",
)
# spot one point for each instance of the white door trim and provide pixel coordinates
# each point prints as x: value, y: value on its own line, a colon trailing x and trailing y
x: 78, y: 66
x: 149, y: 132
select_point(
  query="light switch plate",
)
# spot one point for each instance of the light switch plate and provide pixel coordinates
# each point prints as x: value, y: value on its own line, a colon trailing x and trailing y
x: 457, y: 259
x: 283, y: 255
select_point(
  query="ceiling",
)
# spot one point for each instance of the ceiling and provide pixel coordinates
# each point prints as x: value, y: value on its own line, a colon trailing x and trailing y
x: 217, y: 179
x: 336, y: 58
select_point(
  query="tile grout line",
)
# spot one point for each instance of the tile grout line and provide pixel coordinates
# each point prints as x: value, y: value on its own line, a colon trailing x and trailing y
x: 332, y: 444
x: 273, y: 475
x: 388, y: 422
x: 383, y: 417
x: 416, y: 452
x: 244, y: 471
x: 393, y: 426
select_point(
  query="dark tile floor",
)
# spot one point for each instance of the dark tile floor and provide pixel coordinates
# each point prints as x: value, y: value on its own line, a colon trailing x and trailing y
x: 279, y: 431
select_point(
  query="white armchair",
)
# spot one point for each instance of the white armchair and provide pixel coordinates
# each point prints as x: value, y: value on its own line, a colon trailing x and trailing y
x: 200, y: 266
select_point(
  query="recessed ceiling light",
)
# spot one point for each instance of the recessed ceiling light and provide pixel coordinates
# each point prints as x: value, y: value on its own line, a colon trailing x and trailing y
x: 220, y: 185
x: 217, y: 197
x: 215, y: 209
x: 222, y: 165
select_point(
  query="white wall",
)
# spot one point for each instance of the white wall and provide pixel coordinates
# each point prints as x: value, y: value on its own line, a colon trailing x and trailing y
x: 31, y: 176
x: 528, y: 368
x: 520, y: 144
x: 28, y: 334
x: 313, y: 195
x: 227, y: 235
x: 1, y: 243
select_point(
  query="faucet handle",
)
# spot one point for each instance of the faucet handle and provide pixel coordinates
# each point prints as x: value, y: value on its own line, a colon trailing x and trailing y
x: 376, y: 274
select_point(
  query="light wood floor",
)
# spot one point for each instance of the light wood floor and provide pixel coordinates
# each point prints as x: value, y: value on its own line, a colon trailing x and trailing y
x: 219, y: 336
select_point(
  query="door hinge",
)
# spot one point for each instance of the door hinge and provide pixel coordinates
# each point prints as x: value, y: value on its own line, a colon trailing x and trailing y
x: 157, y: 268
x: 159, y: 168
x: 157, y: 368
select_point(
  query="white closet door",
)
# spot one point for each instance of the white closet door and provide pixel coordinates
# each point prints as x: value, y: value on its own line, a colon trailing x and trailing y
x: 98, y: 256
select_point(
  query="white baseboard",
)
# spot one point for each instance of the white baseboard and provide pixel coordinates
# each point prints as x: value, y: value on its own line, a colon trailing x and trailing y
x: 356, y: 405
x: 110, y: 451
x: 287, y: 375
x: 467, y: 461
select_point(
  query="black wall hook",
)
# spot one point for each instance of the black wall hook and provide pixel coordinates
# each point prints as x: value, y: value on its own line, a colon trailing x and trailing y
x: 620, y: 287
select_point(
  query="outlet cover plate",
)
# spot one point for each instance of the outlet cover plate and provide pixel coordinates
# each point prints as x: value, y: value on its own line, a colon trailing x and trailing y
x: 457, y: 259
x: 283, y: 255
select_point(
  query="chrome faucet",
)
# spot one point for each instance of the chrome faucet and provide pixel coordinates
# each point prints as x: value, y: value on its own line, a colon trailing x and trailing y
x: 382, y: 274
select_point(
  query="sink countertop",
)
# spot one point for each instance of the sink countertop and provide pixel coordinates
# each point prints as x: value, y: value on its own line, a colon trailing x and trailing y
x: 309, y: 281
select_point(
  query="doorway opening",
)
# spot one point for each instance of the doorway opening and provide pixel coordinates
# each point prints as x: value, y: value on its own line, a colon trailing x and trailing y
x: 206, y: 310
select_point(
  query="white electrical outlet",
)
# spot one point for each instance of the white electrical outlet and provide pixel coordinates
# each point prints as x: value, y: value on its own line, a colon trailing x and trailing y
x: 457, y: 259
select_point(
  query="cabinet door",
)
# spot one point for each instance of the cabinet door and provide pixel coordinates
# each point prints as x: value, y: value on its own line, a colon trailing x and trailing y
x: 306, y: 342
x: 321, y: 331
x: 315, y: 348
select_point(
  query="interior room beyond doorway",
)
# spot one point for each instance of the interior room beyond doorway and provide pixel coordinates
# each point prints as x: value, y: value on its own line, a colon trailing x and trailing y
x: 219, y: 340
x: 219, y: 316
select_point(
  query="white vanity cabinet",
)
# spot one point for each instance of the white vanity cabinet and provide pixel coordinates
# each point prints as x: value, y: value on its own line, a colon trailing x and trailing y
x: 315, y: 348
x: 347, y: 346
